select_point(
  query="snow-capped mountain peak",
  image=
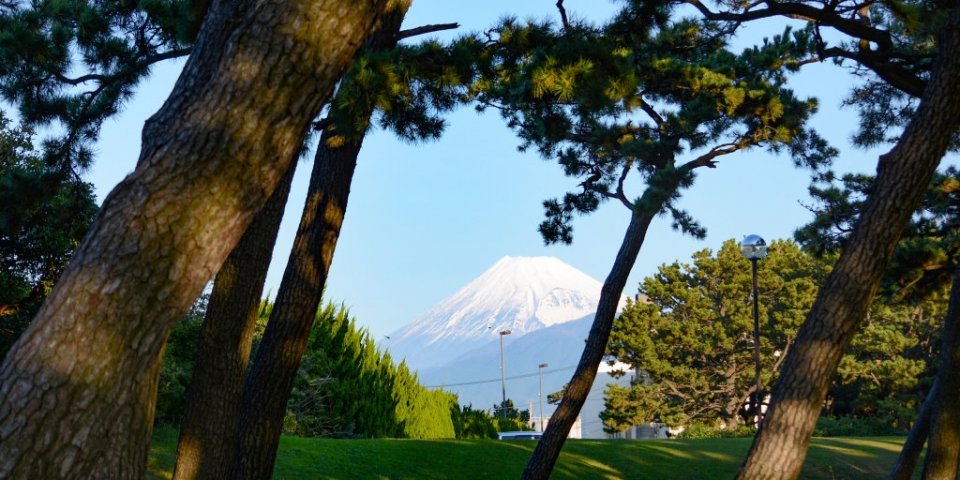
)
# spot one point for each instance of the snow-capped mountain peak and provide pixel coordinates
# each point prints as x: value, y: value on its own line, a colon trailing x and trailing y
x: 520, y: 294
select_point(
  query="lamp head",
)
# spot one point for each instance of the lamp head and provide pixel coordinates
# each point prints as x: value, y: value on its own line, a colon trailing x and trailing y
x: 753, y: 247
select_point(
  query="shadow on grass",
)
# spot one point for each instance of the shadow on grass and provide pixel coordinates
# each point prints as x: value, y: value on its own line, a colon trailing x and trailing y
x: 304, y: 458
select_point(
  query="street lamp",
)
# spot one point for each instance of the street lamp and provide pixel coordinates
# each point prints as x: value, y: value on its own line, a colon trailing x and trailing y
x: 540, y: 369
x: 754, y: 248
x: 503, y: 375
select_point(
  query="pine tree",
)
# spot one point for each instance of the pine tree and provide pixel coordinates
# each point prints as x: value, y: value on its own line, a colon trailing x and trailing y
x: 887, y: 40
x: 163, y: 232
x: 273, y: 370
x: 42, y: 221
x: 347, y: 388
x: 596, y: 99
x: 75, y: 62
x: 919, y: 274
x: 690, y: 337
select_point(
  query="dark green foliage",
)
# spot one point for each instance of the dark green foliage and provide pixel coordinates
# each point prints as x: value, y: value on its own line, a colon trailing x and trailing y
x: 694, y: 333
x: 507, y: 418
x: 691, y: 335
x: 890, y: 364
x: 637, y: 94
x: 890, y: 46
x: 410, y: 86
x: 424, y: 413
x: 345, y: 387
x: 925, y: 257
x: 341, y: 389
x: 42, y: 221
x: 884, y: 106
x: 703, y: 430
x: 76, y: 61
x: 177, y: 366
x: 829, y: 426
x: 555, y: 397
x: 469, y: 423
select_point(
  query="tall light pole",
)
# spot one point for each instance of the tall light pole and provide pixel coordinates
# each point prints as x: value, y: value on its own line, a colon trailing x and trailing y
x: 540, y: 369
x: 754, y: 248
x: 503, y: 375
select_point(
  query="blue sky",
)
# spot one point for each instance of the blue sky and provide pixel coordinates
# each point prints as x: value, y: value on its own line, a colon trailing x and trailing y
x: 425, y: 219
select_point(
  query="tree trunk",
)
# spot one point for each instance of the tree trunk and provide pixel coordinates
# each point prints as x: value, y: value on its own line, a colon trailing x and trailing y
x: 212, y: 411
x: 274, y: 369
x: 903, y: 176
x: 548, y: 448
x: 943, y: 449
x: 913, y: 446
x: 77, y: 390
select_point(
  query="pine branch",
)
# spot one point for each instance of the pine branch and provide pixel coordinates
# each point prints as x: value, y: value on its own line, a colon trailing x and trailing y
x: 623, y: 177
x: 425, y: 29
x: 145, y: 62
x: 896, y: 75
x: 799, y: 11
x: 708, y: 159
x: 563, y: 15
x: 659, y: 120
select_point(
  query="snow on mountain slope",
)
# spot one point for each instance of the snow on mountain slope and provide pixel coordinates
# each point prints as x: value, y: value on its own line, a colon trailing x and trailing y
x: 521, y: 294
x: 475, y: 376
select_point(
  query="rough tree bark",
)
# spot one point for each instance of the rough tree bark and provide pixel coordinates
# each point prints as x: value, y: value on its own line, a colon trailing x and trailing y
x: 548, y: 448
x: 77, y: 390
x: 212, y: 411
x: 903, y: 175
x: 943, y: 449
x: 274, y: 369
x: 913, y: 446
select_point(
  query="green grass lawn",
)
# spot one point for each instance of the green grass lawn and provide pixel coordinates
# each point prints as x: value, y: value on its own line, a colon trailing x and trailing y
x: 304, y: 458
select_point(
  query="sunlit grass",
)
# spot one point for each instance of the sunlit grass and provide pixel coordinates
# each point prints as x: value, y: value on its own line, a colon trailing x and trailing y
x: 304, y: 458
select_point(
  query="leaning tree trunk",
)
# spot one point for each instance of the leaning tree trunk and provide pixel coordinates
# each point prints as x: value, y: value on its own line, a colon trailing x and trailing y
x: 943, y: 448
x: 274, y: 369
x: 212, y: 411
x: 903, y: 176
x: 913, y: 446
x: 77, y: 390
x: 548, y: 448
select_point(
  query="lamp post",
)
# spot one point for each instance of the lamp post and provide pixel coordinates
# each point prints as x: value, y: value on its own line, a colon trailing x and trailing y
x: 540, y: 369
x: 754, y: 248
x: 503, y: 375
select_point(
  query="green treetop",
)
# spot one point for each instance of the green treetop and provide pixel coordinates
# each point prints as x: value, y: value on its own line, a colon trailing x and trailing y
x: 690, y: 335
x: 75, y: 62
x: 642, y: 94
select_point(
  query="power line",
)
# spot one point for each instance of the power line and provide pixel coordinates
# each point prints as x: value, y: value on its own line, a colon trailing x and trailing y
x: 497, y: 380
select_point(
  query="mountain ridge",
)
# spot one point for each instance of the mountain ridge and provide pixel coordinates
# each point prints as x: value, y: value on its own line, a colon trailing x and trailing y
x: 519, y: 294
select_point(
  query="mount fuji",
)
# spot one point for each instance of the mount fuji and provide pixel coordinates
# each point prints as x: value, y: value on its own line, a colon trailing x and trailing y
x: 520, y: 294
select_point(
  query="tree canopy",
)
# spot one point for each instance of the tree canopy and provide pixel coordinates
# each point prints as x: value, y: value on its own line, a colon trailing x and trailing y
x: 41, y: 223
x: 689, y: 336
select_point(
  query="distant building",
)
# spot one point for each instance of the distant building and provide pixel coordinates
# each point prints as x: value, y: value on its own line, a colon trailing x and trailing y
x: 652, y: 430
x: 576, y: 431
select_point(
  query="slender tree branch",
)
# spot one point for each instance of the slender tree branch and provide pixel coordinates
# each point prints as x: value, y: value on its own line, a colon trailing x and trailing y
x: 620, y: 195
x: 425, y: 29
x: 145, y: 62
x: 801, y: 11
x: 707, y: 159
x: 661, y: 123
x: 896, y: 75
x: 563, y: 15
